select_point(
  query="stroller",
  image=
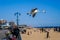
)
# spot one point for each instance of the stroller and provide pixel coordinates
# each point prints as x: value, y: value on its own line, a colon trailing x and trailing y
x: 9, y: 36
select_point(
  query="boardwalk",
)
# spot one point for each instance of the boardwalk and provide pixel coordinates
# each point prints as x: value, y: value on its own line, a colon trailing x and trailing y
x: 2, y: 35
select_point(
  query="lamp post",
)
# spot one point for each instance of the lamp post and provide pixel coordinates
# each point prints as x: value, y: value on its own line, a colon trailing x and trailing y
x: 17, y: 14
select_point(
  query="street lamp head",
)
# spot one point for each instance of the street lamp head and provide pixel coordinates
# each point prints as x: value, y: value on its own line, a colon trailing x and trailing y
x: 17, y: 13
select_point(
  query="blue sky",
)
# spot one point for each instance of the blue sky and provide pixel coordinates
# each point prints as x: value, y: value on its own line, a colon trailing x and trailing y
x: 51, y: 17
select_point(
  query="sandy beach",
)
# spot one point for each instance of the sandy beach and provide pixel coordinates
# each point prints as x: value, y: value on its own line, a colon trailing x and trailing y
x: 36, y: 34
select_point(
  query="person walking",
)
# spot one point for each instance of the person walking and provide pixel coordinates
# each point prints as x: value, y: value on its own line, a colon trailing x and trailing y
x: 16, y: 32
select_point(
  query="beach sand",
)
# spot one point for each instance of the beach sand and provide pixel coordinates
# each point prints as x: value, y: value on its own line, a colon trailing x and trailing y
x: 36, y: 34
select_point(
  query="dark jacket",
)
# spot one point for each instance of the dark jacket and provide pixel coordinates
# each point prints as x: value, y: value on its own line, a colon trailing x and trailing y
x: 15, y: 32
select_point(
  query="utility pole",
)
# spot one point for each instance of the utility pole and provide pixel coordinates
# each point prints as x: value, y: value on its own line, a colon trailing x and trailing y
x: 17, y: 14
